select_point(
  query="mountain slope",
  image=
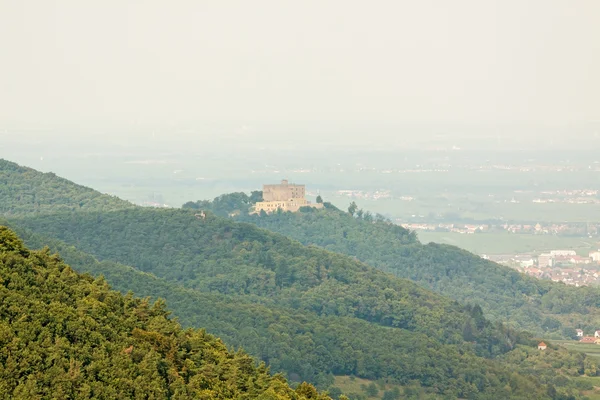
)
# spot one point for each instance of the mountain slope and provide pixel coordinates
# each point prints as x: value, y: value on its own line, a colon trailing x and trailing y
x: 64, y: 335
x: 542, y: 307
x: 303, y: 310
x: 306, y: 311
x: 25, y: 191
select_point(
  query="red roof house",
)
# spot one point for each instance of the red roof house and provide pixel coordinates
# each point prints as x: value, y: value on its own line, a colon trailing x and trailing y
x: 541, y: 346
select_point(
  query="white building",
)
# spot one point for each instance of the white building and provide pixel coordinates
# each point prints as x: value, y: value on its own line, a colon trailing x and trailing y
x: 527, y: 263
x: 555, y: 253
x: 545, y: 260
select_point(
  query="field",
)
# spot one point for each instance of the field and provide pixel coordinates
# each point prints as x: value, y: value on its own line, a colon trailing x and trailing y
x: 592, y: 350
x: 510, y: 243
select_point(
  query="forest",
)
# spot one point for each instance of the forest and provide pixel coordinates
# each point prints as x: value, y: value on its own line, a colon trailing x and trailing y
x: 544, y: 308
x: 310, y: 299
x: 66, y: 335
x: 25, y: 191
x: 305, y: 311
x: 307, y: 345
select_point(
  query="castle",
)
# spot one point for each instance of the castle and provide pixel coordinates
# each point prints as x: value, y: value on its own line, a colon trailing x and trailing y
x: 284, y: 196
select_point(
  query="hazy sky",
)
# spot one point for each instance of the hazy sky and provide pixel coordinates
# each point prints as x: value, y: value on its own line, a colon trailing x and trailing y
x: 91, y: 65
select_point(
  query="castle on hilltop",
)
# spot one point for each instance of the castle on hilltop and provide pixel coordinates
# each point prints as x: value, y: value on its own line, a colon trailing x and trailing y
x: 284, y: 196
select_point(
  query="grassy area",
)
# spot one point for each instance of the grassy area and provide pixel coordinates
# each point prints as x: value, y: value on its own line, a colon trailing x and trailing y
x: 351, y: 385
x: 592, y: 350
x: 509, y: 243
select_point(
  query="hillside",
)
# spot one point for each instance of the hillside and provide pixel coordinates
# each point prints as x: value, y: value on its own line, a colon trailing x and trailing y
x: 65, y: 335
x: 542, y: 307
x: 298, y: 309
x: 305, y: 311
x: 25, y: 191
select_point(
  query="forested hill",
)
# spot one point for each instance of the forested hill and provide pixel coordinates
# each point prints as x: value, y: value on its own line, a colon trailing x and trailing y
x: 25, y: 191
x: 306, y: 311
x: 65, y: 335
x: 542, y: 307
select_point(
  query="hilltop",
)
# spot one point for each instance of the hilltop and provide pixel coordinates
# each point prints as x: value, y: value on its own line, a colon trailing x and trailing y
x: 25, y: 191
x: 66, y: 335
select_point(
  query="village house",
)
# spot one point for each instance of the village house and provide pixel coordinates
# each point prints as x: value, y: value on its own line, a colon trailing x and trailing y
x: 541, y: 346
x: 580, y: 260
x: 588, y: 339
x: 524, y: 260
x: 579, y: 332
x: 534, y: 272
x: 545, y: 260
x: 597, y: 334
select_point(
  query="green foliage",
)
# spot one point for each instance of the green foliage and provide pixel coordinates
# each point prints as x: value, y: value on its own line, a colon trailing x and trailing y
x: 65, y: 335
x: 219, y: 255
x: 393, y: 394
x: 24, y: 191
x: 305, y: 311
x: 372, y: 390
x: 504, y: 294
x: 352, y: 208
x: 302, y: 310
x: 227, y: 205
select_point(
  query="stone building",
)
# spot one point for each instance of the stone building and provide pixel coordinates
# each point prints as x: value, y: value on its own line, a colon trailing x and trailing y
x: 283, y: 191
x: 285, y: 196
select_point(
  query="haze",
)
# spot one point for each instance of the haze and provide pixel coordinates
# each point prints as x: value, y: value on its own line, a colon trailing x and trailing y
x: 312, y: 67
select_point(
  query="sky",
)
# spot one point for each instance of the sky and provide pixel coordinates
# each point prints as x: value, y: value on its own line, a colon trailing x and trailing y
x: 202, y: 68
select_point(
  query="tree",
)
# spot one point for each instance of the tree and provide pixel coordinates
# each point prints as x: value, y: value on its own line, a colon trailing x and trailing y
x: 352, y: 209
x: 393, y: 394
x: 569, y: 332
x: 372, y: 390
x: 551, y: 324
x: 334, y: 392
x: 319, y: 199
x: 256, y: 196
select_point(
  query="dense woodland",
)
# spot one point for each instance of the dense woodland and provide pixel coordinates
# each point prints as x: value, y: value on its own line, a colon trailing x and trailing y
x: 25, y: 191
x: 66, y: 335
x: 307, y: 345
x: 303, y: 310
x: 542, y: 307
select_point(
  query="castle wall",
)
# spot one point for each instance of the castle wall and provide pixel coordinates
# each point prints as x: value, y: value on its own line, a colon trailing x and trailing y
x: 291, y: 205
x: 285, y: 197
